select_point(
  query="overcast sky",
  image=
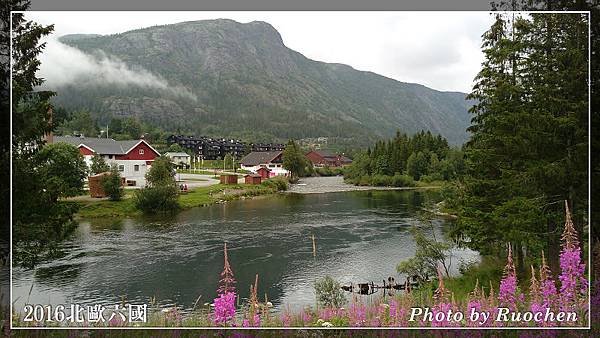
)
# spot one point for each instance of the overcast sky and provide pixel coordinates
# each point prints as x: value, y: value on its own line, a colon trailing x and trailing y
x: 438, y: 49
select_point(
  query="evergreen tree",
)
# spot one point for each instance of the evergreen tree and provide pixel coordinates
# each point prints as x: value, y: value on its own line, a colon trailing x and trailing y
x: 161, y: 192
x: 98, y: 165
x: 417, y: 165
x: 294, y: 160
x: 41, y: 174
x: 527, y: 150
x: 161, y: 173
x: 5, y: 12
x: 112, y: 184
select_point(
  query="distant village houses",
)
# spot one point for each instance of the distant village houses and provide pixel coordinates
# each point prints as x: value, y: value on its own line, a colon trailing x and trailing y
x: 133, y: 158
x: 212, y: 149
x: 264, y: 163
x: 181, y: 160
x: 323, y: 158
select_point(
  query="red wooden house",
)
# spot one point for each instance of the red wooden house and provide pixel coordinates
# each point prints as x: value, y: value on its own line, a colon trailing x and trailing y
x: 323, y: 158
x: 133, y: 158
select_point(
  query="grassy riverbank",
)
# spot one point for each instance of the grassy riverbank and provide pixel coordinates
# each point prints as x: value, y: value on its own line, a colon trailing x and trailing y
x: 201, y: 196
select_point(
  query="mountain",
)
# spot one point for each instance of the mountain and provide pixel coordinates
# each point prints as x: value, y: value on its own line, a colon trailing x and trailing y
x: 244, y: 82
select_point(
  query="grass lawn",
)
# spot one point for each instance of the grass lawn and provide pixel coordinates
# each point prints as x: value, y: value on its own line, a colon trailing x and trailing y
x: 197, y: 197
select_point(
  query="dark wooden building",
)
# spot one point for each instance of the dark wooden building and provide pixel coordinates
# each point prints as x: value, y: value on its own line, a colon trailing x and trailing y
x: 229, y: 179
x: 252, y: 179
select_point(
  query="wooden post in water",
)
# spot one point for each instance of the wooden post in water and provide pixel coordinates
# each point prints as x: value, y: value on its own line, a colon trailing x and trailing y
x: 314, y: 246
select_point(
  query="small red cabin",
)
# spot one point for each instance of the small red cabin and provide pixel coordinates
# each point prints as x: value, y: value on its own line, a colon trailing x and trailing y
x: 229, y: 179
x: 252, y: 179
x: 264, y: 172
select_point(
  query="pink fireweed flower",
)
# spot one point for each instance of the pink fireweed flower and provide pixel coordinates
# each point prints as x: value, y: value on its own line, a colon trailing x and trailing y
x: 509, y: 295
x: 475, y: 303
x: 224, y: 310
x: 286, y: 319
x: 226, y: 284
x: 357, y: 314
x: 535, y: 294
x: 393, y: 312
x: 595, y: 299
x: 305, y: 317
x: 547, y: 286
x: 442, y: 304
x: 573, y: 283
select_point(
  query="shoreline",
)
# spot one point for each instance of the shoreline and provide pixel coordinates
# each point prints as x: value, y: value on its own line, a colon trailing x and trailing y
x: 332, y: 184
x: 197, y: 197
x: 203, y: 196
x: 362, y: 188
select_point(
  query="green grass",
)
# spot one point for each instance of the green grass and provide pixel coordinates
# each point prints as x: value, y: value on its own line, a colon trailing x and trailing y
x: 201, y: 196
x: 99, y: 209
x: 488, y: 270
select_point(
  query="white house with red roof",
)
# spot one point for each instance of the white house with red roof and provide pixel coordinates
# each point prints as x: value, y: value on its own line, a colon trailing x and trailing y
x: 133, y: 157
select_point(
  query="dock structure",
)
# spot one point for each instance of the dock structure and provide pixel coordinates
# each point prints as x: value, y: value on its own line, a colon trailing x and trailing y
x: 371, y: 288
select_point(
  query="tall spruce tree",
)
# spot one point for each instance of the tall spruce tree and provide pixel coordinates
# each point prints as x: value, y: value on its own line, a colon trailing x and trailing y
x: 528, y: 143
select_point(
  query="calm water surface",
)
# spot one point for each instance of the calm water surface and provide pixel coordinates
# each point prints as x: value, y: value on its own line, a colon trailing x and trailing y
x: 360, y: 237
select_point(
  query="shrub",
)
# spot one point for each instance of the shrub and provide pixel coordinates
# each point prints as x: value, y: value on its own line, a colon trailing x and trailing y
x: 381, y: 180
x: 157, y: 199
x: 432, y: 178
x: 161, y: 172
x: 112, y: 185
x: 328, y: 171
x: 400, y: 180
x: 278, y: 183
x: 329, y: 293
x: 364, y: 180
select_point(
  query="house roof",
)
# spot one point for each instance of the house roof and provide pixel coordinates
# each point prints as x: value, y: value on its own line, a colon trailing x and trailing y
x: 325, y: 153
x: 252, y: 175
x: 259, y: 157
x: 102, y: 145
x: 176, y: 154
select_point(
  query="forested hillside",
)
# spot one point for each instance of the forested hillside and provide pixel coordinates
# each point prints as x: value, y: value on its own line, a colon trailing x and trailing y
x: 240, y: 80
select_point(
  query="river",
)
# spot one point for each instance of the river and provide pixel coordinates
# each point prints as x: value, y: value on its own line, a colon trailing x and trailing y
x: 360, y: 236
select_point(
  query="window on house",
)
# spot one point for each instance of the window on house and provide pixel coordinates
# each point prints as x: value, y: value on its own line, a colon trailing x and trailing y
x: 271, y: 166
x: 121, y: 167
x: 141, y: 151
x: 136, y: 167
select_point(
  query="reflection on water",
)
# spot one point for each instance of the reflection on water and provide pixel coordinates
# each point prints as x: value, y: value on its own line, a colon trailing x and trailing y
x: 360, y: 236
